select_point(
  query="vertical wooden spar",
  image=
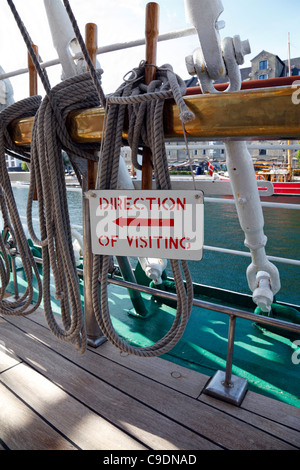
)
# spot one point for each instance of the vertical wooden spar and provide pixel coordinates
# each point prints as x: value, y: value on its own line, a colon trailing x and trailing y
x: 94, y: 334
x: 33, y: 86
x: 33, y: 89
x: 91, y: 45
x: 151, y: 33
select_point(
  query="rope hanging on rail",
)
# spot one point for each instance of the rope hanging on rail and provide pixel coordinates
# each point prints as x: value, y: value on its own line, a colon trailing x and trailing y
x: 146, y: 120
x: 145, y: 128
x: 146, y: 115
x: 49, y: 138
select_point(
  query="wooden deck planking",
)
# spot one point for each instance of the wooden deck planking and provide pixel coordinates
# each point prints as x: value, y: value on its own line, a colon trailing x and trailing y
x: 142, y: 422
x: 259, y: 421
x: 71, y: 417
x: 284, y: 414
x: 126, y: 402
x: 22, y: 428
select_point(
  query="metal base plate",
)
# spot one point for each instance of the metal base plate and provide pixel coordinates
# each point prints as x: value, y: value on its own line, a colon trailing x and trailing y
x: 233, y: 394
x: 12, y: 299
x: 133, y: 313
x: 96, y: 342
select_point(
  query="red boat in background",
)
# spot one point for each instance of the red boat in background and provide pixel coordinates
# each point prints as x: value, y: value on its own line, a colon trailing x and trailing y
x: 275, y: 173
x: 280, y: 176
x: 287, y: 188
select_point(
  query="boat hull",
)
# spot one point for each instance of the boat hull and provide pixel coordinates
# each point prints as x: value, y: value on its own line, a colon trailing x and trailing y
x: 286, y: 188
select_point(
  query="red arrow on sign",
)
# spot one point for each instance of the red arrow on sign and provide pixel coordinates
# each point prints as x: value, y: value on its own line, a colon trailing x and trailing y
x: 123, y: 221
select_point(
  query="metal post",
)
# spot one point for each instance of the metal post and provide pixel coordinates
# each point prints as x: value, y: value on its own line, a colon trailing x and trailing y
x: 227, y: 381
x: 13, y: 266
x: 94, y: 335
x: 224, y: 385
x: 13, y: 253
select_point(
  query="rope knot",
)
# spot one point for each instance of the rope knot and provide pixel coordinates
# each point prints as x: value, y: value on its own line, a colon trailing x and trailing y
x: 59, y: 295
x: 186, y: 116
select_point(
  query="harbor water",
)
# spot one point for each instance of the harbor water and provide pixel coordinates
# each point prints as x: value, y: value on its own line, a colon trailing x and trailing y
x: 222, y: 230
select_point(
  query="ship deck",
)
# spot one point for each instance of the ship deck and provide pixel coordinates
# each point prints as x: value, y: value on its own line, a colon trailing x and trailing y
x: 54, y: 398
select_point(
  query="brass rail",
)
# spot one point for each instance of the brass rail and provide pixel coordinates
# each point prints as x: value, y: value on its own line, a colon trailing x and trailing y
x: 266, y: 113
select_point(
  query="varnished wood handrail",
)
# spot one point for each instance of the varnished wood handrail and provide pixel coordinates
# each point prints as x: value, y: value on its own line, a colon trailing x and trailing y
x: 266, y: 113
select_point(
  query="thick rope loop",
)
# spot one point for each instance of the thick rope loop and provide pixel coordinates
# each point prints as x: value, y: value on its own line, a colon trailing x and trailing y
x: 49, y: 137
x: 140, y: 98
x: 145, y: 110
x: 13, y: 235
x: 22, y: 109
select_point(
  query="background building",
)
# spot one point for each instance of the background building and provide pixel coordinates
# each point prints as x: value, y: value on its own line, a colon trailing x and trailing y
x: 263, y: 66
x: 266, y: 65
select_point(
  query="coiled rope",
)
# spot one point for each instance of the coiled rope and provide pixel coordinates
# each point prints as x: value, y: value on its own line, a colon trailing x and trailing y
x: 49, y: 137
x: 145, y: 108
x: 47, y: 174
x: 145, y: 128
x: 13, y: 229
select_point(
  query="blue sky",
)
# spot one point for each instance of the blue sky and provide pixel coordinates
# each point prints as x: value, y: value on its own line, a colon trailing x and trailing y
x: 266, y: 23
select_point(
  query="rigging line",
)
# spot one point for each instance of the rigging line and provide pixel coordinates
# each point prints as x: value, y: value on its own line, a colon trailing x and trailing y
x: 189, y: 156
x: 62, y: 131
x: 13, y: 238
x: 146, y: 118
x: 42, y: 72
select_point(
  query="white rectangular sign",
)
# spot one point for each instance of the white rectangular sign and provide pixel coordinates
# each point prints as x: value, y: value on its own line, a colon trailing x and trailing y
x: 147, y: 223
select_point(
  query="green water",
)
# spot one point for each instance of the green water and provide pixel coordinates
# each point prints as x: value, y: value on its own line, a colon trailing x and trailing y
x: 222, y: 229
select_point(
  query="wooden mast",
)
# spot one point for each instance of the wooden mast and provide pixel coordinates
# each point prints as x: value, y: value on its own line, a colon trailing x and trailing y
x: 33, y: 86
x: 91, y: 45
x: 151, y: 33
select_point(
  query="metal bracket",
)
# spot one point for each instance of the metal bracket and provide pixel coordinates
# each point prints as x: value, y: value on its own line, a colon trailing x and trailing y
x: 233, y: 393
x: 205, y: 20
